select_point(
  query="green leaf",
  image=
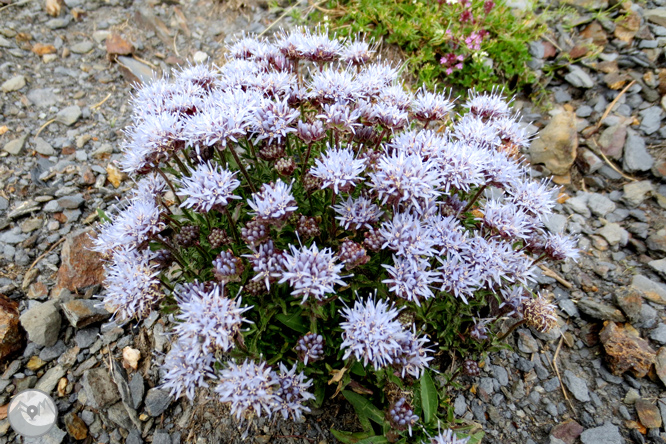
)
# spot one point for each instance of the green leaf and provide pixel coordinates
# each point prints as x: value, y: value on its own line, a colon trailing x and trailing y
x: 364, y: 407
x: 358, y: 369
x: 102, y: 215
x: 350, y: 438
x: 476, y: 438
x: 294, y: 321
x: 428, y: 397
x: 374, y: 440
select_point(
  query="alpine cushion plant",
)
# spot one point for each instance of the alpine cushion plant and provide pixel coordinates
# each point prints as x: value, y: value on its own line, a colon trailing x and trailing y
x: 312, y: 225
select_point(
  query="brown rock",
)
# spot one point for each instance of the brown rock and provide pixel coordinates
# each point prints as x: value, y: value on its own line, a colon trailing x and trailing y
x: 616, y: 80
x: 557, y: 144
x: 76, y: 428
x: 648, y: 413
x: 82, y: 312
x: 630, y: 300
x: 568, y: 431
x: 626, y: 350
x: 578, y: 51
x: 549, y: 50
x: 114, y: 175
x: 116, y: 45
x: 662, y: 81
x: 11, y: 336
x: 41, y: 49
x: 595, y: 32
x: 53, y: 7
x: 608, y: 67
x: 589, y: 334
x: 611, y: 140
x: 35, y: 363
x: 37, y: 290
x: 627, y: 28
x: 80, y: 267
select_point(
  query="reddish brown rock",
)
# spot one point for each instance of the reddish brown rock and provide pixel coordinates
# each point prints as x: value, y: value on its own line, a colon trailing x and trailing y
x: 611, y: 140
x: 80, y: 267
x: 616, y: 80
x: 40, y: 49
x: 568, y: 431
x: 76, y: 428
x: 627, y: 28
x: 116, y: 45
x: 11, y: 337
x: 595, y: 32
x: 626, y: 350
x: 589, y: 334
x: 648, y: 413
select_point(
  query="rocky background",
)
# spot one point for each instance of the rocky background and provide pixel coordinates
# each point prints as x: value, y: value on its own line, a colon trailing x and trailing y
x: 66, y: 71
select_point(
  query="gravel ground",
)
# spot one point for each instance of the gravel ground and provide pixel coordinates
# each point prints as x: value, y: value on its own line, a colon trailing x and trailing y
x: 64, y: 91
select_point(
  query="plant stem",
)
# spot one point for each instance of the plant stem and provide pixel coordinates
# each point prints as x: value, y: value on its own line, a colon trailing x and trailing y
x: 241, y: 168
x: 511, y: 330
x: 539, y: 259
x: 166, y: 179
x: 232, y: 225
x: 474, y: 198
x: 181, y: 166
x: 305, y: 161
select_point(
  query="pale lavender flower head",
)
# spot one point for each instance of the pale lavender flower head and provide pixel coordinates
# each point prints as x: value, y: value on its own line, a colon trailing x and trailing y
x: 461, y: 166
x: 291, y: 44
x: 458, y: 278
x: 273, y: 120
x: 133, y: 287
x: 266, y: 262
x: 357, y: 52
x: 446, y: 437
x: 502, y: 172
x: 149, y: 188
x: 488, y: 105
x: 338, y: 169
x: 209, y: 187
x: 318, y: 47
x: 511, y: 131
x: 237, y: 74
x: 397, y: 96
x: 372, y: 332
x: 311, y: 132
x: 276, y: 84
x: 387, y: 115
x: 187, y: 366
x: 374, y: 77
x: 131, y: 228
x: 212, y: 318
x: 340, y: 116
x: 151, y: 141
x: 428, y: 106
x: 506, y: 219
x: 410, y: 279
x: 408, y: 236
x: 404, y: 178
x: 413, y: 356
x: 426, y: 143
x: 246, y: 47
x: 248, y: 387
x: 293, y: 393
x: 533, y: 197
x: 310, y: 348
x: 561, y: 247
x: 311, y: 272
x: 274, y: 202
x: 332, y: 85
x: 199, y: 75
x: 150, y: 98
x: 449, y: 235
x: 474, y: 131
x: 357, y: 213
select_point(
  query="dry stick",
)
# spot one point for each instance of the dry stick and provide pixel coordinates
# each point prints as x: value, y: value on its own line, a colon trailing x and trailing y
x: 44, y: 254
x: 557, y: 352
x: 610, y: 107
x: 22, y: 2
x: 611, y: 164
x: 284, y: 14
x: 44, y: 126
x: 97, y: 105
x: 550, y: 273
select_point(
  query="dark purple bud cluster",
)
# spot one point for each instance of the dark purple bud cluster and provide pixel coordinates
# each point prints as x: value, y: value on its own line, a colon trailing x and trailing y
x: 218, y: 237
x: 255, y: 232
x: 352, y: 254
x: 285, y: 166
x: 373, y: 240
x: 307, y: 227
x: 255, y: 288
x: 311, y: 183
x: 188, y: 236
x: 478, y: 331
x: 471, y: 368
x: 401, y: 415
x: 227, y: 267
x: 310, y: 348
x: 272, y: 152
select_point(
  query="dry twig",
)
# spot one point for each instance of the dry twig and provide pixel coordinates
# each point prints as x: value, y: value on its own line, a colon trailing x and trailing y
x: 41, y: 128
x: 557, y: 371
x: 550, y: 273
x: 609, y: 108
x: 97, y: 105
x: 44, y: 254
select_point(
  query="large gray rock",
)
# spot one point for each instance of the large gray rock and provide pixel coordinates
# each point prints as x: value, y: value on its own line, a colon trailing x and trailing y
x: 68, y: 116
x: 557, y: 144
x: 42, y: 322
x: 50, y: 379
x: 614, y: 234
x: 600, y: 205
x: 100, y: 388
x: 54, y: 436
x: 43, y: 147
x: 656, y: 15
x: 577, y: 386
x: 651, y: 119
x: 606, y: 434
x: 600, y: 310
x: 14, y: 146
x: 636, y: 192
x: 157, y: 401
x: 83, y: 312
x: 636, y: 156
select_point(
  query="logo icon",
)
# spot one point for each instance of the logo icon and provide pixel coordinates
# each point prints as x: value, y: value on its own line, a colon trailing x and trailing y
x: 32, y: 413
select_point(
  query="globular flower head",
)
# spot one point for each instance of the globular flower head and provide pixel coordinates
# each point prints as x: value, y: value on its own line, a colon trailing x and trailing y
x: 273, y: 203
x: 461, y: 166
x: 560, y: 247
x: 310, y: 348
x: 507, y: 220
x: 352, y: 254
x: 338, y: 169
x: 491, y: 105
x: 447, y: 437
x: 371, y: 332
x: 408, y: 236
x: 333, y: 86
x: 199, y: 75
x: 533, y: 197
x: 478, y: 331
x: 266, y: 262
x: 248, y: 388
x: 292, y: 392
x: 458, y: 278
x: 187, y: 366
x: 357, y: 213
x: 413, y: 357
x: 133, y: 287
x: 317, y: 47
x: 285, y: 166
x: 340, y: 117
x: 209, y: 187
x: 311, y: 272
x: 428, y: 106
x: 471, y: 368
x: 539, y: 314
x: 357, y: 52
x: 212, y: 318
x: 227, y: 267
x: 188, y: 236
x: 311, y: 132
x: 410, y: 279
x: 273, y: 120
x: 307, y: 227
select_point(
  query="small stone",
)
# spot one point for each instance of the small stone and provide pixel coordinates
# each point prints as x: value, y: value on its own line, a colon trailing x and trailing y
x: 200, y: 57
x: 42, y: 98
x: 626, y: 350
x: 630, y: 300
x: 650, y: 290
x: 100, y: 388
x: 10, y: 332
x: 606, y: 434
x: 58, y: 23
x: 577, y: 386
x: 567, y: 431
x: 578, y: 204
x: 42, y: 322
x: 659, y: 266
x: 14, y: 146
x: 101, y: 35
x: 636, y: 192
x: 131, y: 358
x: 627, y: 27
x: 83, y: 312
x: 86, y: 337
x: 79, y: 266
x: 656, y: 15
x: 134, y: 437
x: 588, y: 161
x: 578, y: 78
x: 116, y: 45
x: 648, y: 413
x: 82, y: 48
x: 68, y: 116
x: 660, y: 364
x: 557, y: 144
x: 13, y: 84
x: 612, y: 140
x: 41, y: 49
x: 556, y: 223
x: 48, y: 382
x: 157, y: 401
x: 600, y: 310
x: 526, y: 343
x: 53, y: 436
x: 651, y: 119
x: 657, y: 241
x: 600, y: 205
x: 659, y: 334
x: 71, y: 202
x: 614, y: 234
x: 75, y: 426
x: 631, y: 397
x: 50, y: 353
x: 636, y: 156
x: 115, y: 176
x: 35, y: 363
x: 136, y: 389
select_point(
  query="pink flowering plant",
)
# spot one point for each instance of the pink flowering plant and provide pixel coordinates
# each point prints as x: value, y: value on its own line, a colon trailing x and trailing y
x: 316, y: 230
x: 457, y: 43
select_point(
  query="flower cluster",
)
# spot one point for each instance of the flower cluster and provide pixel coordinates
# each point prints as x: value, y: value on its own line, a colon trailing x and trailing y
x: 301, y: 172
